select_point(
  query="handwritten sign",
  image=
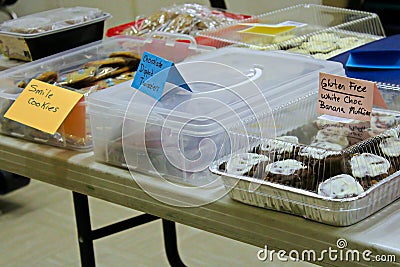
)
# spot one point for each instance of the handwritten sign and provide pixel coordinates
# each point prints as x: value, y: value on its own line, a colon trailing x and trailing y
x: 43, y: 106
x: 346, y: 97
x: 161, y: 70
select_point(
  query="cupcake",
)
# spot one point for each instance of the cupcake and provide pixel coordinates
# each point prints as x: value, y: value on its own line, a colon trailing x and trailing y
x: 245, y: 164
x: 340, y: 186
x: 289, y: 172
x: 390, y: 149
x: 324, y: 158
x: 282, y: 147
x: 332, y: 134
x: 369, y: 168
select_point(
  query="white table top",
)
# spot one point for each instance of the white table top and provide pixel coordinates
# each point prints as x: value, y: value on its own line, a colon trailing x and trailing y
x: 79, y: 172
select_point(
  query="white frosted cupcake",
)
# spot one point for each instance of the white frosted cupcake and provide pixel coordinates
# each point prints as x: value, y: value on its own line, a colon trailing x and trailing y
x: 340, y: 186
x: 369, y: 168
x: 245, y: 163
x: 290, y: 172
x: 280, y: 148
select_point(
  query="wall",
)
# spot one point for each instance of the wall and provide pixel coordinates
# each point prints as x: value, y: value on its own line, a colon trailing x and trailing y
x: 126, y: 10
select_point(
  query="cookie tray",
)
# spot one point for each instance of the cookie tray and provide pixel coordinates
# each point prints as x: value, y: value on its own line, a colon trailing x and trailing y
x: 336, y: 212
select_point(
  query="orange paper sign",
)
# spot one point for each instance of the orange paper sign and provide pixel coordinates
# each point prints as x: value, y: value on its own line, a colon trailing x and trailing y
x: 346, y: 97
x: 43, y: 106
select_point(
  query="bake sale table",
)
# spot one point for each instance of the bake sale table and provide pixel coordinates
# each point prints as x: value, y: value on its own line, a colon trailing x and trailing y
x: 372, y: 242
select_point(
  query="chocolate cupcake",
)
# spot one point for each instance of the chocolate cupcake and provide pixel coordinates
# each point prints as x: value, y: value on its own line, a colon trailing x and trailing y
x: 332, y: 134
x: 283, y: 147
x: 340, y: 186
x: 246, y: 164
x: 324, y: 158
x: 369, y: 168
x: 389, y: 148
x: 290, y: 172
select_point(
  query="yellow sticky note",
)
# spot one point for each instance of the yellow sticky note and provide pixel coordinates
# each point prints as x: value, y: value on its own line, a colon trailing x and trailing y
x: 268, y: 29
x: 43, y: 106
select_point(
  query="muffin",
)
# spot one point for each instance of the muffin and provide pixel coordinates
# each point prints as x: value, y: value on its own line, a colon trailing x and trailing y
x: 389, y: 148
x: 332, y: 134
x: 245, y: 164
x: 324, y: 158
x: 369, y: 168
x: 340, y: 186
x: 290, y: 172
x: 283, y: 147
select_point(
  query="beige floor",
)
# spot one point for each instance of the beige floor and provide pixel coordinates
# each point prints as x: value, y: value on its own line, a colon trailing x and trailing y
x: 37, y: 228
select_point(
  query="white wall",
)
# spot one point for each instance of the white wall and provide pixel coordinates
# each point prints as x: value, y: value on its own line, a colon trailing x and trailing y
x: 126, y: 10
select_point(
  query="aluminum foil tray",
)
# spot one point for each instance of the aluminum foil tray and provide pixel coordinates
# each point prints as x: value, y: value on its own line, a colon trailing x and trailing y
x: 337, y: 212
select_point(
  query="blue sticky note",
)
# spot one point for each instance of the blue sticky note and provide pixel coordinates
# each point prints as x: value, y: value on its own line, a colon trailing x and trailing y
x: 152, y: 74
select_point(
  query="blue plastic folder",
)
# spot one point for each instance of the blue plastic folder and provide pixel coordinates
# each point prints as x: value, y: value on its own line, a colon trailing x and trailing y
x: 387, y: 47
x: 374, y: 59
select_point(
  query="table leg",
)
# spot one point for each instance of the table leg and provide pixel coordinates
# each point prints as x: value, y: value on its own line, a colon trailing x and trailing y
x: 170, y: 243
x: 84, y: 228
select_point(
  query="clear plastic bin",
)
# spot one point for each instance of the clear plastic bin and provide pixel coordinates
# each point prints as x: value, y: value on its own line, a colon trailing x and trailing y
x: 45, y: 33
x: 320, y: 31
x: 179, y: 136
x: 85, y: 69
x: 316, y: 167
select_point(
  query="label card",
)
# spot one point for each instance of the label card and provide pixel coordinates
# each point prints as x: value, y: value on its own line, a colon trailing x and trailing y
x: 346, y: 97
x: 165, y: 71
x: 43, y: 106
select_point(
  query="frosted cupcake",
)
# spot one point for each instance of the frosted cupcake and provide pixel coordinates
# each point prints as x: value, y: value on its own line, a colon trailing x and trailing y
x: 245, y: 164
x: 340, y: 186
x: 289, y: 172
x: 369, y: 169
x: 390, y: 149
x: 324, y: 158
x: 282, y: 147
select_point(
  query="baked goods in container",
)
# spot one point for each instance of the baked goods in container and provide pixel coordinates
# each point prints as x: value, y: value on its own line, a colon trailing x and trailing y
x: 323, y: 157
x: 340, y: 186
x: 290, y: 172
x: 369, y: 168
x: 389, y: 148
x: 281, y: 148
x: 245, y: 164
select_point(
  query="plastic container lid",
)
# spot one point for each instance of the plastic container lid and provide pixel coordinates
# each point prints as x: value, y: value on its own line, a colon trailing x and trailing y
x: 224, y: 82
x: 51, y: 20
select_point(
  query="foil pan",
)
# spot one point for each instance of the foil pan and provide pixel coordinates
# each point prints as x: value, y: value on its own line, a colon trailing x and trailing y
x: 336, y: 212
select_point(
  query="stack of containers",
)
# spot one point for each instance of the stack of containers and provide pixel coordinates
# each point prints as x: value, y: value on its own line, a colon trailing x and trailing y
x: 85, y: 69
x: 320, y: 31
x: 45, y: 33
x: 333, y: 172
x: 180, y: 135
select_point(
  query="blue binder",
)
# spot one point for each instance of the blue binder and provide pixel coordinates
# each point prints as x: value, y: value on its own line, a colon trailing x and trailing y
x: 371, y: 61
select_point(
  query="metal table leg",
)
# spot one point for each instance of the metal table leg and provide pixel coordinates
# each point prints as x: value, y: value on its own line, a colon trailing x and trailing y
x: 84, y: 228
x: 170, y: 244
x: 86, y: 235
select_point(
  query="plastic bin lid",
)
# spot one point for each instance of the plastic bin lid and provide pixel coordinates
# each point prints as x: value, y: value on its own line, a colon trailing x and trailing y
x: 227, y: 84
x: 51, y: 20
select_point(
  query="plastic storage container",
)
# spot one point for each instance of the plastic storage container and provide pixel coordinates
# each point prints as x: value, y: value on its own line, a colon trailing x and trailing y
x: 42, y: 34
x: 85, y: 69
x: 332, y: 172
x: 320, y: 31
x: 180, y: 135
x: 181, y: 19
